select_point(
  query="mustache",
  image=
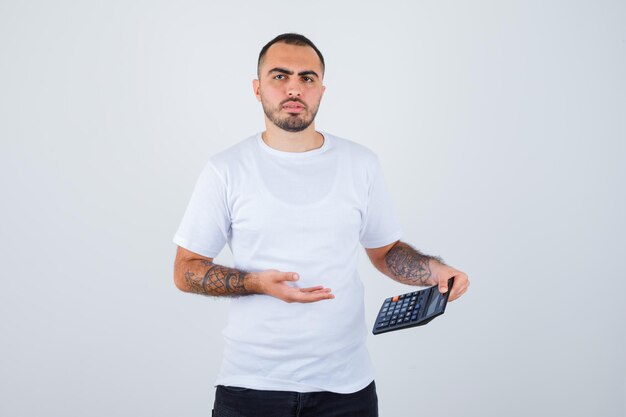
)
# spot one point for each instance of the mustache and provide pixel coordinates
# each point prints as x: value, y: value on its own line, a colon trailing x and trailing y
x: 291, y: 100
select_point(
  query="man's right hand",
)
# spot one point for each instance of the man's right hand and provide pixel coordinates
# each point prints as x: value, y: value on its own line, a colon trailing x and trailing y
x: 276, y: 283
x: 198, y: 274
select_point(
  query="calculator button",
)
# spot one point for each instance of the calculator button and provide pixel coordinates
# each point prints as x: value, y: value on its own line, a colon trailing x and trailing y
x: 394, y: 299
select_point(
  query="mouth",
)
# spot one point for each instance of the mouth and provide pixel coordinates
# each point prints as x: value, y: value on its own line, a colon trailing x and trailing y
x: 293, y: 107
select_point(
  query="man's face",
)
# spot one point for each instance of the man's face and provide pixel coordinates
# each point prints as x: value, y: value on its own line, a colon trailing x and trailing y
x: 290, y: 86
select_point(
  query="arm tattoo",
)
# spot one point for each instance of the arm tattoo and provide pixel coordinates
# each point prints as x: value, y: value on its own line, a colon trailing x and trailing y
x: 409, y: 266
x: 217, y: 280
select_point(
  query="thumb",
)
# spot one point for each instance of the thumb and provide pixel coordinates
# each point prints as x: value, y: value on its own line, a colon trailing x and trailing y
x: 443, y: 286
x: 291, y: 276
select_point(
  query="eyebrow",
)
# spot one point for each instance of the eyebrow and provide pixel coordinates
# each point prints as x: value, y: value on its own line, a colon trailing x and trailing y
x: 288, y: 72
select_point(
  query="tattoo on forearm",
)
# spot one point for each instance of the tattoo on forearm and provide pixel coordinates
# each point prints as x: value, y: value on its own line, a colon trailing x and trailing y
x: 217, y: 280
x: 408, y: 265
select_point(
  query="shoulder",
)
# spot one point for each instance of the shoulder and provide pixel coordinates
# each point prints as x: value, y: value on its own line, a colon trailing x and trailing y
x: 225, y: 164
x: 231, y: 159
x: 233, y: 153
x: 356, y: 151
x: 362, y: 162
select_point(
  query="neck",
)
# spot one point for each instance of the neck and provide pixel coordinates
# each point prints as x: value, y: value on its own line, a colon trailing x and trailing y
x: 281, y: 140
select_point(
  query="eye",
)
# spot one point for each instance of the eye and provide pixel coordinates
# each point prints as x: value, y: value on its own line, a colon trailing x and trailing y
x: 307, y: 79
x: 279, y: 77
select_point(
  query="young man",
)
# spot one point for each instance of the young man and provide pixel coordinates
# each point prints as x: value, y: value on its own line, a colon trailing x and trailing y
x: 295, y: 204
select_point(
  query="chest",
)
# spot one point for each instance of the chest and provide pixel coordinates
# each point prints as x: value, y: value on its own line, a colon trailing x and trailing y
x: 298, y: 206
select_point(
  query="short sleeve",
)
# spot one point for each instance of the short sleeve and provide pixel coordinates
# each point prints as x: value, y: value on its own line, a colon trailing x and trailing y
x: 380, y: 225
x: 206, y: 224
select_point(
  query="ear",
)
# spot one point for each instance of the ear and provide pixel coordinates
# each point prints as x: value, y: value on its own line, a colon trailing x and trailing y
x: 256, y: 87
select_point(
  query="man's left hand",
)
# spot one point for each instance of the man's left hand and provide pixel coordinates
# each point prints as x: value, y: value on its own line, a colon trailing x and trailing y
x: 442, y: 273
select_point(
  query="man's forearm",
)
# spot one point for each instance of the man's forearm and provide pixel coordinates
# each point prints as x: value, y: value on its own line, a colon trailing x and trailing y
x: 207, y: 278
x: 197, y: 274
x: 408, y: 266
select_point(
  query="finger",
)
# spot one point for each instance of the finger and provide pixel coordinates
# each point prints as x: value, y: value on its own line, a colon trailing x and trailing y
x: 311, y: 297
x: 455, y: 296
x: 323, y: 290
x: 314, y: 297
x: 454, y: 292
x: 319, y: 291
x: 443, y: 284
x: 458, y: 292
x: 460, y: 282
x: 311, y: 289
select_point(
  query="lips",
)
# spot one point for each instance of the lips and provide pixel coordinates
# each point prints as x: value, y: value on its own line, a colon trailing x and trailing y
x: 293, y: 107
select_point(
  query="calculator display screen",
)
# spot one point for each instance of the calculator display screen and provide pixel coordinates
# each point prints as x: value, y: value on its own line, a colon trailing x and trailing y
x: 436, y: 296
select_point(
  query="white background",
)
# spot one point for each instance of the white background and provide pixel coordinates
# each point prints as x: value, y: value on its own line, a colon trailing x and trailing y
x: 501, y: 128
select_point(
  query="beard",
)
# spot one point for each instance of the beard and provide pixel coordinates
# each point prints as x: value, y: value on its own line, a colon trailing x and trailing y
x: 291, y: 122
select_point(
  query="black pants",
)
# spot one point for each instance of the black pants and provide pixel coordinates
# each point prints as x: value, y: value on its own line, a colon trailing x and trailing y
x: 244, y: 402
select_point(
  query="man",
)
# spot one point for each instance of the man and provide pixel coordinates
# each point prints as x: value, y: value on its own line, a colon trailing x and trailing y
x: 294, y: 204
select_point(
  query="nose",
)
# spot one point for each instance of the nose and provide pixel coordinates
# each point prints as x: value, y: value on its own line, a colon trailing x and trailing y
x: 293, y: 89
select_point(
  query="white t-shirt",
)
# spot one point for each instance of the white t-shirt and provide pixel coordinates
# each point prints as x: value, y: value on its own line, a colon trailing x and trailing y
x: 305, y: 212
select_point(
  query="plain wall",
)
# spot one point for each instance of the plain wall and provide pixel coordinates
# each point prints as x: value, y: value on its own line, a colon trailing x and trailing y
x: 501, y: 128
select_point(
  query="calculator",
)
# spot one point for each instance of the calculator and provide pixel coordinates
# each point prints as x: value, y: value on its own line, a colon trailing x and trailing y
x: 411, y: 309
